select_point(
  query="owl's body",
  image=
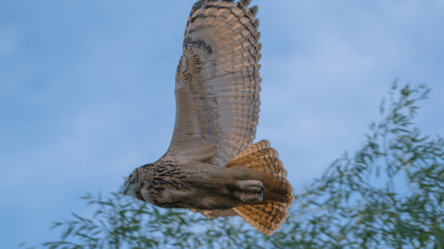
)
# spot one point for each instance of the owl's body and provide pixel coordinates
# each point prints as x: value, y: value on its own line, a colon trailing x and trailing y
x: 211, y: 165
x: 195, y: 185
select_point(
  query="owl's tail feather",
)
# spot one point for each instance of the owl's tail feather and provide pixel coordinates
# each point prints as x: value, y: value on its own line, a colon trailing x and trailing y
x: 263, y: 161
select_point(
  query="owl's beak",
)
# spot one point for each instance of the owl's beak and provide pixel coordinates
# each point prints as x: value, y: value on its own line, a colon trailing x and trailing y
x: 131, y: 183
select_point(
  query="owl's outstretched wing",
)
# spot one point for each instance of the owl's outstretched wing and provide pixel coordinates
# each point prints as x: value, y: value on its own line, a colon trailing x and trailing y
x: 217, y: 83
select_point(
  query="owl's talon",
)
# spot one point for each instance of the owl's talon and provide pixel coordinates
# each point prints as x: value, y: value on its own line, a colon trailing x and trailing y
x: 249, y: 197
x: 250, y: 185
x: 251, y: 191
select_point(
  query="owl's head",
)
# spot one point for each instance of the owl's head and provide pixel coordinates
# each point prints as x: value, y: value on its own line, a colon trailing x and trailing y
x: 132, y: 185
x: 136, y: 183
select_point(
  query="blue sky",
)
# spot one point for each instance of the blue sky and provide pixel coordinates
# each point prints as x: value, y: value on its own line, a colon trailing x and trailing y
x: 87, y: 90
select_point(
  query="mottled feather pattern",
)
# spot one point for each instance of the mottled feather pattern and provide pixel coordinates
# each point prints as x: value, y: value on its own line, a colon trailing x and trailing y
x: 268, y: 215
x: 211, y: 165
x: 217, y: 83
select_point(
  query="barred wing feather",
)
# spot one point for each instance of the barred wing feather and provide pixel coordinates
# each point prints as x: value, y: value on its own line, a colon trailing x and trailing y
x: 217, y: 83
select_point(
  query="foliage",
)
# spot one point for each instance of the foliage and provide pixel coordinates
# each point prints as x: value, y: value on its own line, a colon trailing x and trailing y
x: 356, y: 213
x: 123, y: 222
x: 353, y: 205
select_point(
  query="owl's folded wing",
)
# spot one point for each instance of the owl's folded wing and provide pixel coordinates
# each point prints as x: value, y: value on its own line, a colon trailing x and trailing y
x: 217, y: 83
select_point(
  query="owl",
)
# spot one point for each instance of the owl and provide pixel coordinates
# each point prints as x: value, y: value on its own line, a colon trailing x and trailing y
x: 212, y: 165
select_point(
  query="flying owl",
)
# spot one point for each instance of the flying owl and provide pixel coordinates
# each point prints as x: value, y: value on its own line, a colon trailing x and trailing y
x: 211, y: 165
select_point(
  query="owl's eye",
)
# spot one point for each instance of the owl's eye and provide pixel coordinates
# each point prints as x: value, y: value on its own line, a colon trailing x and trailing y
x: 131, y: 178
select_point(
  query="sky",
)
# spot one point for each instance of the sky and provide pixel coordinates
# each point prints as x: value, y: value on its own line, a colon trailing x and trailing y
x: 87, y: 91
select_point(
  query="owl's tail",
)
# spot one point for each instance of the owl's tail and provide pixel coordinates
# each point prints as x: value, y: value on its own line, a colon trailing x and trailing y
x: 268, y: 215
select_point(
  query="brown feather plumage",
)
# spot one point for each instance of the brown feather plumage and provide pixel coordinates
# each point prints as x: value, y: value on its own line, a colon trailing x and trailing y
x: 211, y: 165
